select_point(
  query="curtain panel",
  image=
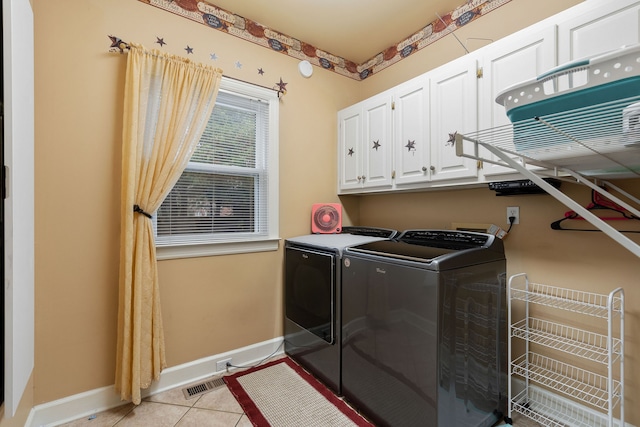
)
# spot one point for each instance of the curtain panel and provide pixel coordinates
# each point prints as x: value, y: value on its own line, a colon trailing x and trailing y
x: 167, y: 103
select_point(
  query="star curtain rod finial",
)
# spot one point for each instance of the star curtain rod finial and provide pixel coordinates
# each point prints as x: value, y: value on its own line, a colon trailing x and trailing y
x: 281, y: 88
x: 117, y: 45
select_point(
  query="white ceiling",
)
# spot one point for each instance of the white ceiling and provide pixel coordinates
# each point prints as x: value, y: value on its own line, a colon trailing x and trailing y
x: 356, y: 30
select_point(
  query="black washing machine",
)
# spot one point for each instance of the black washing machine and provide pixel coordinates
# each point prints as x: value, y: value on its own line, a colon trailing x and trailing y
x: 424, y: 329
x: 312, y: 294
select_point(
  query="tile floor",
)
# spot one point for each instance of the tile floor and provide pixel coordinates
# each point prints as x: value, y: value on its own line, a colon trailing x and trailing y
x: 216, y: 408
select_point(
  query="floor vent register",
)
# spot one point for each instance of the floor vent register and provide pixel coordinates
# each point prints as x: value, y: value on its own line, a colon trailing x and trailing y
x: 201, y: 388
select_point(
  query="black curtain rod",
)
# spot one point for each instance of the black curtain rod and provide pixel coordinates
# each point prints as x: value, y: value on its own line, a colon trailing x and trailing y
x: 118, y: 43
x: 255, y: 84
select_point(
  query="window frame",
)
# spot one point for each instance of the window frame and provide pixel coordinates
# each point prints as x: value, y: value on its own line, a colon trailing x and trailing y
x: 270, y: 241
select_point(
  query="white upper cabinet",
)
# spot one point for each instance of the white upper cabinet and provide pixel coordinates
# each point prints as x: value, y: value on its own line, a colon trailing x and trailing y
x: 364, y: 145
x: 412, y: 151
x: 377, y: 142
x: 402, y: 138
x: 454, y: 108
x: 506, y: 63
x: 608, y: 26
x: 349, y: 148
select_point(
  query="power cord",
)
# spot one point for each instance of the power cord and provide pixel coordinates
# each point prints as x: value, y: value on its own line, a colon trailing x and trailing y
x: 229, y: 365
x: 512, y: 219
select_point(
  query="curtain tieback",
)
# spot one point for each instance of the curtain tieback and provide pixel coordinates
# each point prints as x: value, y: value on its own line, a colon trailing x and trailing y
x: 139, y: 210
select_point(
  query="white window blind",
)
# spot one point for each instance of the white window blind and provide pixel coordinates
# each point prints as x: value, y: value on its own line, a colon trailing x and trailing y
x: 223, y: 194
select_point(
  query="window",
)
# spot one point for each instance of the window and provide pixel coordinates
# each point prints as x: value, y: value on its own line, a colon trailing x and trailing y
x: 226, y: 199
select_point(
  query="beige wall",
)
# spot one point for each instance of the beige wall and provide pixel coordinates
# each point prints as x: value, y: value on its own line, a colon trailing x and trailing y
x: 215, y: 304
x: 210, y: 305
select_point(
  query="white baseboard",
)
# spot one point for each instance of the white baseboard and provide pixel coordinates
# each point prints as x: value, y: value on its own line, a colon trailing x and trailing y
x: 94, y: 401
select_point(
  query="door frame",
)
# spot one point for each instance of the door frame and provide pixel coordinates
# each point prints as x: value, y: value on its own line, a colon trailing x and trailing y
x: 18, y: 135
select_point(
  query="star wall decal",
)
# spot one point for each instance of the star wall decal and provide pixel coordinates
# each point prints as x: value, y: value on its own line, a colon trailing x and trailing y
x: 350, y: 153
x: 189, y: 49
x: 213, y: 56
x: 238, y: 64
x: 411, y: 145
x: 261, y: 71
x: 160, y: 41
x: 376, y: 145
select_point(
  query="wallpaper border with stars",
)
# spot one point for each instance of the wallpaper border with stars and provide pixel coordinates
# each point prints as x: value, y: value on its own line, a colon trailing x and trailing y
x: 246, y: 29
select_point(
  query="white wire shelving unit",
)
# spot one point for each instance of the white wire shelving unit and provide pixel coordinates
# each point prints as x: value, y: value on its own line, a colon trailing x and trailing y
x: 557, y: 393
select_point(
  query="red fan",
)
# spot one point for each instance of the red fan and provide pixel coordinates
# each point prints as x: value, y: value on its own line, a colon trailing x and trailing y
x: 326, y: 218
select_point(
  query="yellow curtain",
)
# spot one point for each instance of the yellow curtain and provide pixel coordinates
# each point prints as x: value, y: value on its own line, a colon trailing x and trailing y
x: 167, y: 103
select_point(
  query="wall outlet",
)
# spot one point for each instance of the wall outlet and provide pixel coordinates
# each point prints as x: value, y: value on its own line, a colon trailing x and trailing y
x: 515, y: 212
x: 221, y: 365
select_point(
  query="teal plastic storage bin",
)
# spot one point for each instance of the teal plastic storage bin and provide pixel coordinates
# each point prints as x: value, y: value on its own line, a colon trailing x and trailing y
x: 582, y: 115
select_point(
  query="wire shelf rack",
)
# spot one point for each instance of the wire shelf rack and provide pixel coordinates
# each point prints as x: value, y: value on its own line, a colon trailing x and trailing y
x: 591, y: 145
x: 596, y: 140
x: 587, y: 303
x: 578, y: 342
x: 546, y: 409
x: 575, y: 382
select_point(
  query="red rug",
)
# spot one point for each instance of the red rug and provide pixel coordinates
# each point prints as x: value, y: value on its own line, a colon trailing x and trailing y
x: 280, y: 393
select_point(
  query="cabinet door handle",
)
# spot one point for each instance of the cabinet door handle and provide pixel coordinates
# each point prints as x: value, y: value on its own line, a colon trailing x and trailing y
x: 359, y: 178
x: 424, y: 169
x: 433, y: 168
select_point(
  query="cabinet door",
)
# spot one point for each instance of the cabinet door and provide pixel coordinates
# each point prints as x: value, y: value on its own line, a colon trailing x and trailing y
x: 454, y: 108
x: 608, y: 26
x: 376, y: 143
x: 349, y: 148
x: 412, y: 154
x: 510, y: 61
